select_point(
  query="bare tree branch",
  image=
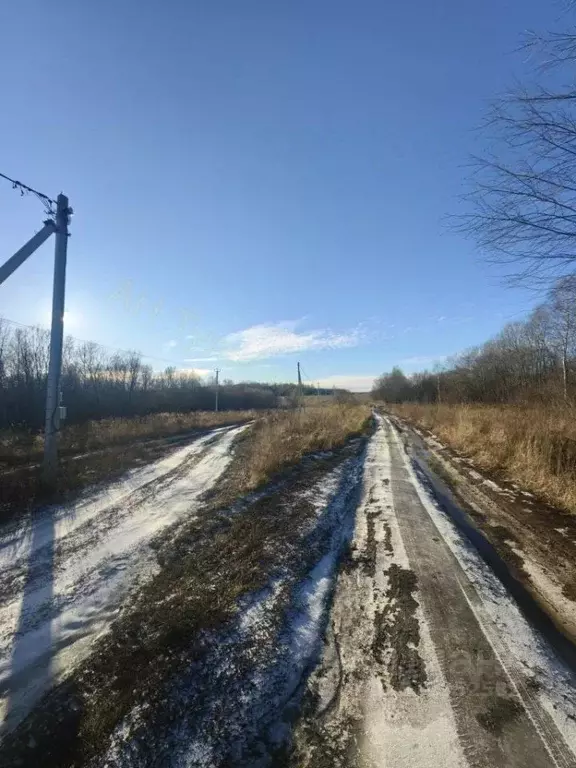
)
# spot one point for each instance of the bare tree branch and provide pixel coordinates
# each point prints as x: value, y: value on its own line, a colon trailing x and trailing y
x: 522, y: 203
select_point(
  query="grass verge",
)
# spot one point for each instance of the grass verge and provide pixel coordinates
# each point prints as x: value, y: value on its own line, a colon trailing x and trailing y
x: 20, y: 447
x: 532, y: 446
x: 284, y: 437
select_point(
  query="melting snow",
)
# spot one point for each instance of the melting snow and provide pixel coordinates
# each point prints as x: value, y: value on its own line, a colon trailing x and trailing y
x: 66, y: 576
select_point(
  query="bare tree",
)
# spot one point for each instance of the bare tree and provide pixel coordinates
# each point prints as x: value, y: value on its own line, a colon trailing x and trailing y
x: 146, y: 377
x: 134, y: 367
x: 96, y: 384
x: 529, y: 361
x: 563, y: 305
x: 523, y: 196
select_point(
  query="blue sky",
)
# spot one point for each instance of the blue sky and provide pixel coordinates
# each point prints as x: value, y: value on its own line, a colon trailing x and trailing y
x: 257, y: 182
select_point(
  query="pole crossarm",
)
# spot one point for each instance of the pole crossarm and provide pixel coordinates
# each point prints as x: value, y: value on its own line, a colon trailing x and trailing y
x: 27, y: 250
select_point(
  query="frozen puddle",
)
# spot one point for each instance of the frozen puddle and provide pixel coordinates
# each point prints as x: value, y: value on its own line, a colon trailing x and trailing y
x: 64, y: 578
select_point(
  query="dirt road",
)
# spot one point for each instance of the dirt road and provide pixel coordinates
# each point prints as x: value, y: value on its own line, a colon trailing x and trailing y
x: 337, y: 617
x: 65, y: 575
x: 428, y: 661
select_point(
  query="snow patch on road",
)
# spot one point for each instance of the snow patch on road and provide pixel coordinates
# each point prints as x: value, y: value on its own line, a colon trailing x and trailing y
x: 67, y: 518
x: 69, y: 574
x: 363, y: 698
x: 548, y: 588
x: 405, y: 728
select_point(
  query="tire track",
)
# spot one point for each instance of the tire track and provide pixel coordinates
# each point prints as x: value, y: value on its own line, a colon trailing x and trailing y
x: 78, y: 565
x: 500, y: 721
x: 377, y: 697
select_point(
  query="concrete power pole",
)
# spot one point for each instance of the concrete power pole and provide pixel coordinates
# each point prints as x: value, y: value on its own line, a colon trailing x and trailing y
x: 52, y: 424
x: 58, y: 226
x: 299, y: 386
x: 216, y: 403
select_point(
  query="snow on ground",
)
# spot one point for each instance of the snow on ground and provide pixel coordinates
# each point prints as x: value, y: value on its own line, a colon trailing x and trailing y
x: 391, y: 725
x: 239, y: 692
x: 403, y: 681
x: 65, y: 576
x: 404, y: 728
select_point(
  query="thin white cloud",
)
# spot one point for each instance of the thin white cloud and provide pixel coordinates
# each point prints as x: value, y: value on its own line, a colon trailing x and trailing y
x: 195, y: 371
x: 171, y: 344
x: 263, y: 341
x: 201, y: 359
x: 353, y: 382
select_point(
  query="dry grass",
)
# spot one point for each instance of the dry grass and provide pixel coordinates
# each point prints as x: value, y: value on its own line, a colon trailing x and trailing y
x: 284, y: 437
x: 22, y: 447
x: 101, y: 451
x: 530, y: 445
x: 312, y: 401
x: 98, y: 451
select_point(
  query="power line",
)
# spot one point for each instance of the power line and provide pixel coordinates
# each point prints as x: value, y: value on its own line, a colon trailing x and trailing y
x: 46, y: 201
x: 96, y: 343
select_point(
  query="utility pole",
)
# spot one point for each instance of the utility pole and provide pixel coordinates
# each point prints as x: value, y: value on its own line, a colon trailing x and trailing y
x: 217, y: 371
x: 438, y: 372
x: 52, y: 424
x: 58, y: 225
x: 299, y: 386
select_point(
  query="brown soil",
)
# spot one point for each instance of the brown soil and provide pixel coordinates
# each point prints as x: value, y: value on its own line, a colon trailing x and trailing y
x: 397, y: 633
x: 369, y: 556
x: 499, y: 713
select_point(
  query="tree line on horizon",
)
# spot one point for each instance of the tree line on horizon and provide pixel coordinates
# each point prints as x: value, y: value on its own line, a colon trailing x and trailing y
x: 528, y: 361
x: 97, y: 383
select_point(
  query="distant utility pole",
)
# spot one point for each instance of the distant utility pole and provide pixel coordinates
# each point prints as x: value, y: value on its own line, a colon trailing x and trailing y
x: 438, y: 372
x: 57, y: 224
x: 299, y: 385
x: 217, y: 371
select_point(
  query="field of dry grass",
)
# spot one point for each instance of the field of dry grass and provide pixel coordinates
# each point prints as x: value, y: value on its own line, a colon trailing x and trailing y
x: 530, y: 445
x: 98, y: 451
x: 18, y: 447
x: 284, y: 437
